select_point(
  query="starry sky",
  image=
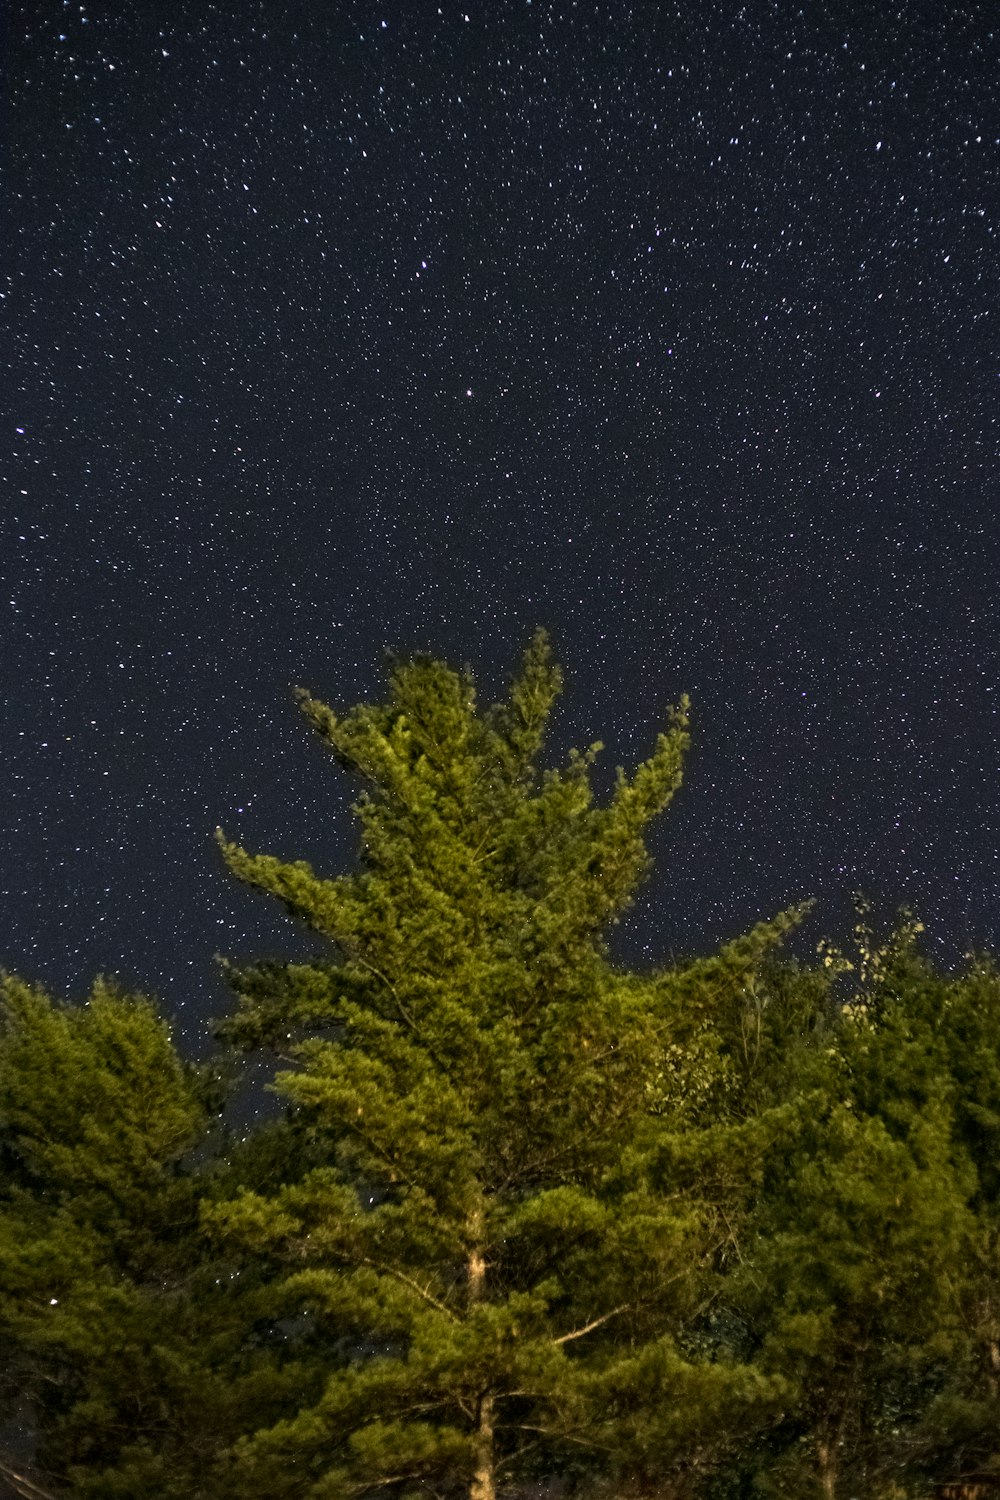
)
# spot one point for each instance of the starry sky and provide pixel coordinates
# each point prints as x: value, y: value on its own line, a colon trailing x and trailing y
x: 331, y: 326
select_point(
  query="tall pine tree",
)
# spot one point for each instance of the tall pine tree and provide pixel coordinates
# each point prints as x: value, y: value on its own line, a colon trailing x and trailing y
x: 495, y: 1230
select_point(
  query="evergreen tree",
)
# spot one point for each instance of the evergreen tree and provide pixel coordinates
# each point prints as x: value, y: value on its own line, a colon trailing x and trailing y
x: 95, y: 1110
x: 869, y: 1241
x: 502, y: 1234
x: 126, y: 1349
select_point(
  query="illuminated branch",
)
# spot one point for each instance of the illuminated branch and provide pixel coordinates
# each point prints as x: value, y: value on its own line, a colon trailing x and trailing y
x: 578, y: 1333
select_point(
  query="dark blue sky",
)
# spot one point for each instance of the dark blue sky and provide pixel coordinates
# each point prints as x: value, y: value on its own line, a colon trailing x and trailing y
x: 329, y: 327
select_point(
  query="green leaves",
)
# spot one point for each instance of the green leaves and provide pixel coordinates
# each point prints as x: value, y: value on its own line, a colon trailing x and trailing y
x: 481, y: 1084
x: 96, y: 1111
x: 95, y: 1098
x: 125, y: 1336
x: 726, y: 1228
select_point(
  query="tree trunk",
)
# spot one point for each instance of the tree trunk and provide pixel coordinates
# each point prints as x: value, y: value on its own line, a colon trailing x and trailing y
x: 477, y: 1275
x: 483, y: 1485
x: 827, y: 1470
x: 484, y: 1479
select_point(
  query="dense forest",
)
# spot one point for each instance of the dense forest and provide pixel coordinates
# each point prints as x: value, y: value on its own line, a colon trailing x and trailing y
x: 530, y: 1222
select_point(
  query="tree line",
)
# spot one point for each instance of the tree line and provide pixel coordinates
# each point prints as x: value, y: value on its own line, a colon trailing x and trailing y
x: 531, y: 1222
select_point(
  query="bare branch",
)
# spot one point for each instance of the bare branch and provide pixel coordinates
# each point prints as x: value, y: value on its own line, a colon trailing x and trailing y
x: 578, y: 1333
x: 732, y: 1235
x: 404, y: 1013
x: 414, y: 1286
x: 22, y: 1485
x: 563, y: 1436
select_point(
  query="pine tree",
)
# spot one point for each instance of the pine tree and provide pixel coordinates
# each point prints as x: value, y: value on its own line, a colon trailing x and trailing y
x: 124, y: 1342
x: 868, y: 1264
x: 95, y: 1109
x: 498, y: 1231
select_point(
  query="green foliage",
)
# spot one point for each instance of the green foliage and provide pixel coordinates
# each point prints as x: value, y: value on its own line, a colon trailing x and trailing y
x: 122, y: 1340
x: 867, y: 1273
x: 498, y: 1227
x: 726, y: 1230
x: 95, y: 1111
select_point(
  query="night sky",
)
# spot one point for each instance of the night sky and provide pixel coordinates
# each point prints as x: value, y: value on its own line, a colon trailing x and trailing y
x: 330, y: 327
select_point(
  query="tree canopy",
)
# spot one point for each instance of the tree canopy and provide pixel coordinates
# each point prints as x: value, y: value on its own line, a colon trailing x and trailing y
x: 724, y: 1228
